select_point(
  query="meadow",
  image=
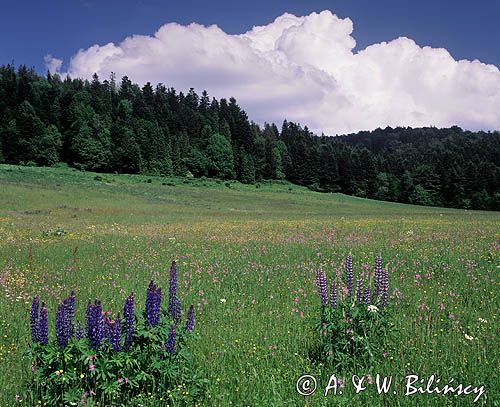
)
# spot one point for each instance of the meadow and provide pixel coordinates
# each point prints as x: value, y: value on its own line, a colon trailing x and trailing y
x: 247, y: 257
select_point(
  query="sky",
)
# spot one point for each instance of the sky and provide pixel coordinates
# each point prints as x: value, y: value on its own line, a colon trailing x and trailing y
x: 336, y: 66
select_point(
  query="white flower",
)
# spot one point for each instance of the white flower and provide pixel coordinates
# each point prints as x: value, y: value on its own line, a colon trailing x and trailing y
x: 222, y: 300
x: 469, y: 338
x: 484, y: 321
x: 372, y: 308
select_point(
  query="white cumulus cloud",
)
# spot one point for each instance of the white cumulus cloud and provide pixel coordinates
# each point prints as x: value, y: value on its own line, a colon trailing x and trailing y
x: 304, y: 69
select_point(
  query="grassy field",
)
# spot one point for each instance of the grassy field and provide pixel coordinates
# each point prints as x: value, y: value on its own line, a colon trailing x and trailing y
x: 247, y: 257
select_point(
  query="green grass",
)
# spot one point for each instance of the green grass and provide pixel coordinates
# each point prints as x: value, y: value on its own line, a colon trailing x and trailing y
x: 257, y: 249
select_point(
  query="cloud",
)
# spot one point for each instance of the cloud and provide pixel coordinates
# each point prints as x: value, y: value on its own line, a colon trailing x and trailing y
x: 304, y: 69
x: 52, y: 64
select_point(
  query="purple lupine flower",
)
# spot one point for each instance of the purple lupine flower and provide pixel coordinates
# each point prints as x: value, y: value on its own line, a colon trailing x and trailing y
x: 333, y: 295
x: 153, y: 304
x: 43, y: 326
x: 177, y: 311
x: 322, y: 287
x: 384, y: 290
x: 128, y: 315
x: 349, y: 276
x: 359, y: 290
x: 98, y: 326
x: 190, y: 319
x: 62, y: 326
x: 367, y: 296
x: 170, y: 346
x: 93, y: 324
x: 172, y: 291
x: 34, y: 312
x: 377, y: 277
x: 113, y: 329
x: 79, y: 331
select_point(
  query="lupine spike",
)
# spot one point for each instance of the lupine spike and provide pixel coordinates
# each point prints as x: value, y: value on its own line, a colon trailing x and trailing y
x: 359, y: 290
x: 177, y: 311
x: 190, y: 319
x: 153, y: 304
x: 172, y: 292
x: 113, y: 330
x: 378, y: 277
x: 34, y: 314
x: 79, y: 331
x: 333, y: 295
x: 43, y: 326
x: 349, y: 276
x: 129, y: 318
x: 322, y: 287
x: 367, y: 296
x: 170, y: 347
x: 62, y: 325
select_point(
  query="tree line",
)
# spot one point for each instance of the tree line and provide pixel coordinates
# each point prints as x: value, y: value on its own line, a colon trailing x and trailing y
x: 118, y: 126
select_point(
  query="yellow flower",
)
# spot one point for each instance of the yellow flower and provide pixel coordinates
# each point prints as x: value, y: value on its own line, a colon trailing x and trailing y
x: 82, y: 375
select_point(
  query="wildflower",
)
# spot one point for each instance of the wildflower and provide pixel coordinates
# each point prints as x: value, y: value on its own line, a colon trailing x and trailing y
x: 359, y: 290
x: 170, y: 347
x: 79, y: 331
x: 333, y: 295
x: 367, y: 296
x: 468, y: 337
x: 172, y: 292
x: 322, y: 287
x: 349, y: 277
x: 153, y: 304
x: 34, y: 318
x: 62, y: 325
x: 372, y: 308
x: 190, y: 319
x: 94, y: 325
x: 91, y: 367
x: 223, y: 300
x: 113, y: 329
x: 43, y: 326
x: 128, y: 315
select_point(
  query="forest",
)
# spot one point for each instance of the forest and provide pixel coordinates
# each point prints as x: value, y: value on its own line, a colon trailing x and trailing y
x: 115, y: 125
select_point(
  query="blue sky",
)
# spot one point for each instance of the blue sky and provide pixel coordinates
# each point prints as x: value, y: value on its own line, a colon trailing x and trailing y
x: 31, y: 29
x: 338, y: 66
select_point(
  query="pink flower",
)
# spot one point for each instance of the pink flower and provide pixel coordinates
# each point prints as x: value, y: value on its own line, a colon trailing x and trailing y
x: 341, y: 383
x: 91, y: 368
x: 441, y: 306
x: 120, y: 380
x: 385, y: 355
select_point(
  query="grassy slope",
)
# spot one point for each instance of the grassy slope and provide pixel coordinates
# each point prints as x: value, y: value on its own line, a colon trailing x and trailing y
x: 257, y: 248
